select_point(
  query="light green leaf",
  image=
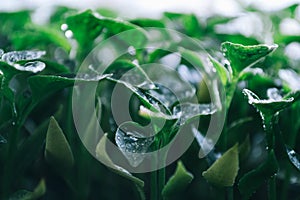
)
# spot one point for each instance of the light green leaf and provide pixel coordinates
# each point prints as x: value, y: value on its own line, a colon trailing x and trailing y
x: 224, y: 74
x: 58, y: 152
x: 224, y: 171
x: 178, y: 182
x: 104, y: 158
x: 241, y: 57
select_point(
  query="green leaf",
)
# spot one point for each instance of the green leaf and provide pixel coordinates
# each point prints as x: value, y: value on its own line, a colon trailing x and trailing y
x: 43, y: 85
x: 271, y: 106
x: 241, y: 57
x: 224, y: 171
x: 86, y: 26
x: 58, y: 152
x: 38, y: 37
x: 144, y: 22
x: 104, y: 158
x: 185, y: 23
x: 38, y: 192
x: 13, y: 21
x: 223, y: 73
x: 178, y: 182
x: 293, y: 157
x: 251, y: 181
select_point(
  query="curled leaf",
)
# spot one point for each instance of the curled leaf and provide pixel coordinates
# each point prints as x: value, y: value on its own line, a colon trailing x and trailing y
x: 271, y: 106
x: 241, y: 57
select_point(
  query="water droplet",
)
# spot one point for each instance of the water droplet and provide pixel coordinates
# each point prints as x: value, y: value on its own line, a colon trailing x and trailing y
x: 133, y: 145
x: 34, y: 67
x: 131, y: 50
x: 274, y: 94
x: 69, y: 34
x: 64, y: 27
x: 2, y: 140
x: 1, y: 53
x: 15, y: 56
x: 187, y: 111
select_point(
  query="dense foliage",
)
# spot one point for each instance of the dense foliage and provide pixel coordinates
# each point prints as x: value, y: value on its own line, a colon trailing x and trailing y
x: 42, y: 156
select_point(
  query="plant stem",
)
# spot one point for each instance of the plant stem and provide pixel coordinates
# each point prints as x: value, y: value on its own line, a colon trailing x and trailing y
x: 230, y: 193
x: 153, y: 187
x: 269, y: 128
x: 161, y: 181
x: 272, y: 188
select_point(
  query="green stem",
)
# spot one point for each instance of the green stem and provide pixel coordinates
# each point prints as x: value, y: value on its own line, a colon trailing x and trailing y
x: 161, y: 181
x: 269, y: 128
x: 272, y: 188
x: 153, y: 187
x: 230, y: 193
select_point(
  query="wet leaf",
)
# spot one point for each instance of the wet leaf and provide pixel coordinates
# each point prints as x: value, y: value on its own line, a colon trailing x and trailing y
x: 58, y: 152
x: 188, y: 111
x: 178, y: 182
x: 102, y: 155
x: 224, y: 171
x: 252, y: 180
x: 241, y: 57
x: 133, y: 141
x: 51, y: 83
x: 271, y: 106
x: 293, y: 157
x: 130, y: 72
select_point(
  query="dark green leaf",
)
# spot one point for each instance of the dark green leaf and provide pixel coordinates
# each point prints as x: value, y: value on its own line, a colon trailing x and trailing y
x: 271, y: 106
x: 224, y: 171
x: 51, y: 83
x: 251, y: 181
x: 38, y: 192
x: 144, y: 22
x: 58, y: 152
x: 178, y: 182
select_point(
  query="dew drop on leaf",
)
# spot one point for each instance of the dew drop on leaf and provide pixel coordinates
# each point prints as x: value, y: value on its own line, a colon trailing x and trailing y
x: 34, y: 67
x: 15, y: 56
x: 132, y: 144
